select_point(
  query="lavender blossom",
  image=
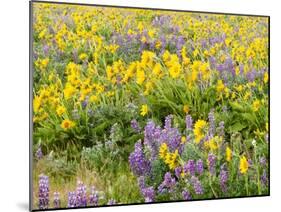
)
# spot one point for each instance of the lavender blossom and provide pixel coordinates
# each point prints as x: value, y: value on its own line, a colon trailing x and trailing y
x: 168, y: 122
x: 196, y: 185
x: 81, y: 194
x: 221, y: 129
x: 135, y: 125
x: 39, y: 153
x: 168, y: 183
x: 212, y: 163
x: 186, y: 195
x: 71, y: 200
x: 111, y: 202
x: 57, y: 200
x: 178, y: 171
x: 189, y: 167
x: 264, y: 179
x: 43, y: 193
x: 223, y: 178
x: 138, y: 163
x: 148, y: 194
x: 93, y: 197
x: 199, y: 166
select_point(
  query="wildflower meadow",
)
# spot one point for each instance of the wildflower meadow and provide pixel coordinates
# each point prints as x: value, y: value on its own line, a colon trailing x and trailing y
x: 138, y: 106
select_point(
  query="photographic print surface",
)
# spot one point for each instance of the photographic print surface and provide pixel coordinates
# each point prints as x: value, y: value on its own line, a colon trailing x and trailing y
x: 137, y: 106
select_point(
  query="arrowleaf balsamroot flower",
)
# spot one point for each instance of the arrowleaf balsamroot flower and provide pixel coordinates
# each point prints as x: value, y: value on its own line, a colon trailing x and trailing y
x: 60, y: 110
x: 228, y: 154
x: 243, y: 165
x: 67, y: 124
x: 199, y: 130
x: 144, y: 110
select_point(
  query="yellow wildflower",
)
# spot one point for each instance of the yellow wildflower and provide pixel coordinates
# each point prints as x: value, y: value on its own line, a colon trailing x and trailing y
x: 163, y: 150
x: 256, y: 105
x: 199, y: 128
x: 144, y: 110
x: 83, y: 56
x: 60, y: 110
x: 243, y: 167
x: 220, y: 86
x: 228, y: 154
x: 185, y: 108
x: 67, y: 124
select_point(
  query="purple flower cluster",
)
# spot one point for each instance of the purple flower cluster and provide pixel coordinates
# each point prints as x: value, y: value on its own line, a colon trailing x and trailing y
x: 148, y: 193
x: 155, y: 135
x: 223, y: 178
x: 39, y: 153
x: 135, y: 125
x: 81, y: 194
x: 168, y: 183
x: 199, y: 166
x: 93, y: 197
x: 186, y: 195
x: 264, y: 179
x: 43, y: 193
x: 71, y: 200
x: 189, y: 167
x: 140, y: 166
x: 111, y: 202
x: 197, y: 185
x: 178, y: 171
x: 212, y: 163
x: 57, y: 200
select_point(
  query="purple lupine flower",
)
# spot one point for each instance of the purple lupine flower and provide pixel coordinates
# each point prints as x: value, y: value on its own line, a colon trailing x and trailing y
x: 263, y: 161
x: 223, y: 178
x: 168, y: 122
x: 111, y: 202
x: 212, y: 127
x: 93, y: 197
x: 85, y: 102
x: 189, y: 167
x: 172, y: 137
x: 186, y: 195
x: 221, y: 129
x: 169, y: 181
x: 81, y: 194
x: 212, y: 163
x: 135, y: 125
x: 71, y: 200
x: 138, y: 163
x: 251, y: 75
x: 199, y: 166
x: 197, y: 185
x: 178, y: 171
x: 264, y: 179
x: 141, y: 182
x: 188, y: 122
x: 39, y: 153
x: 151, y: 135
x: 43, y: 193
x: 46, y: 49
x: 148, y: 194
x: 56, y: 200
